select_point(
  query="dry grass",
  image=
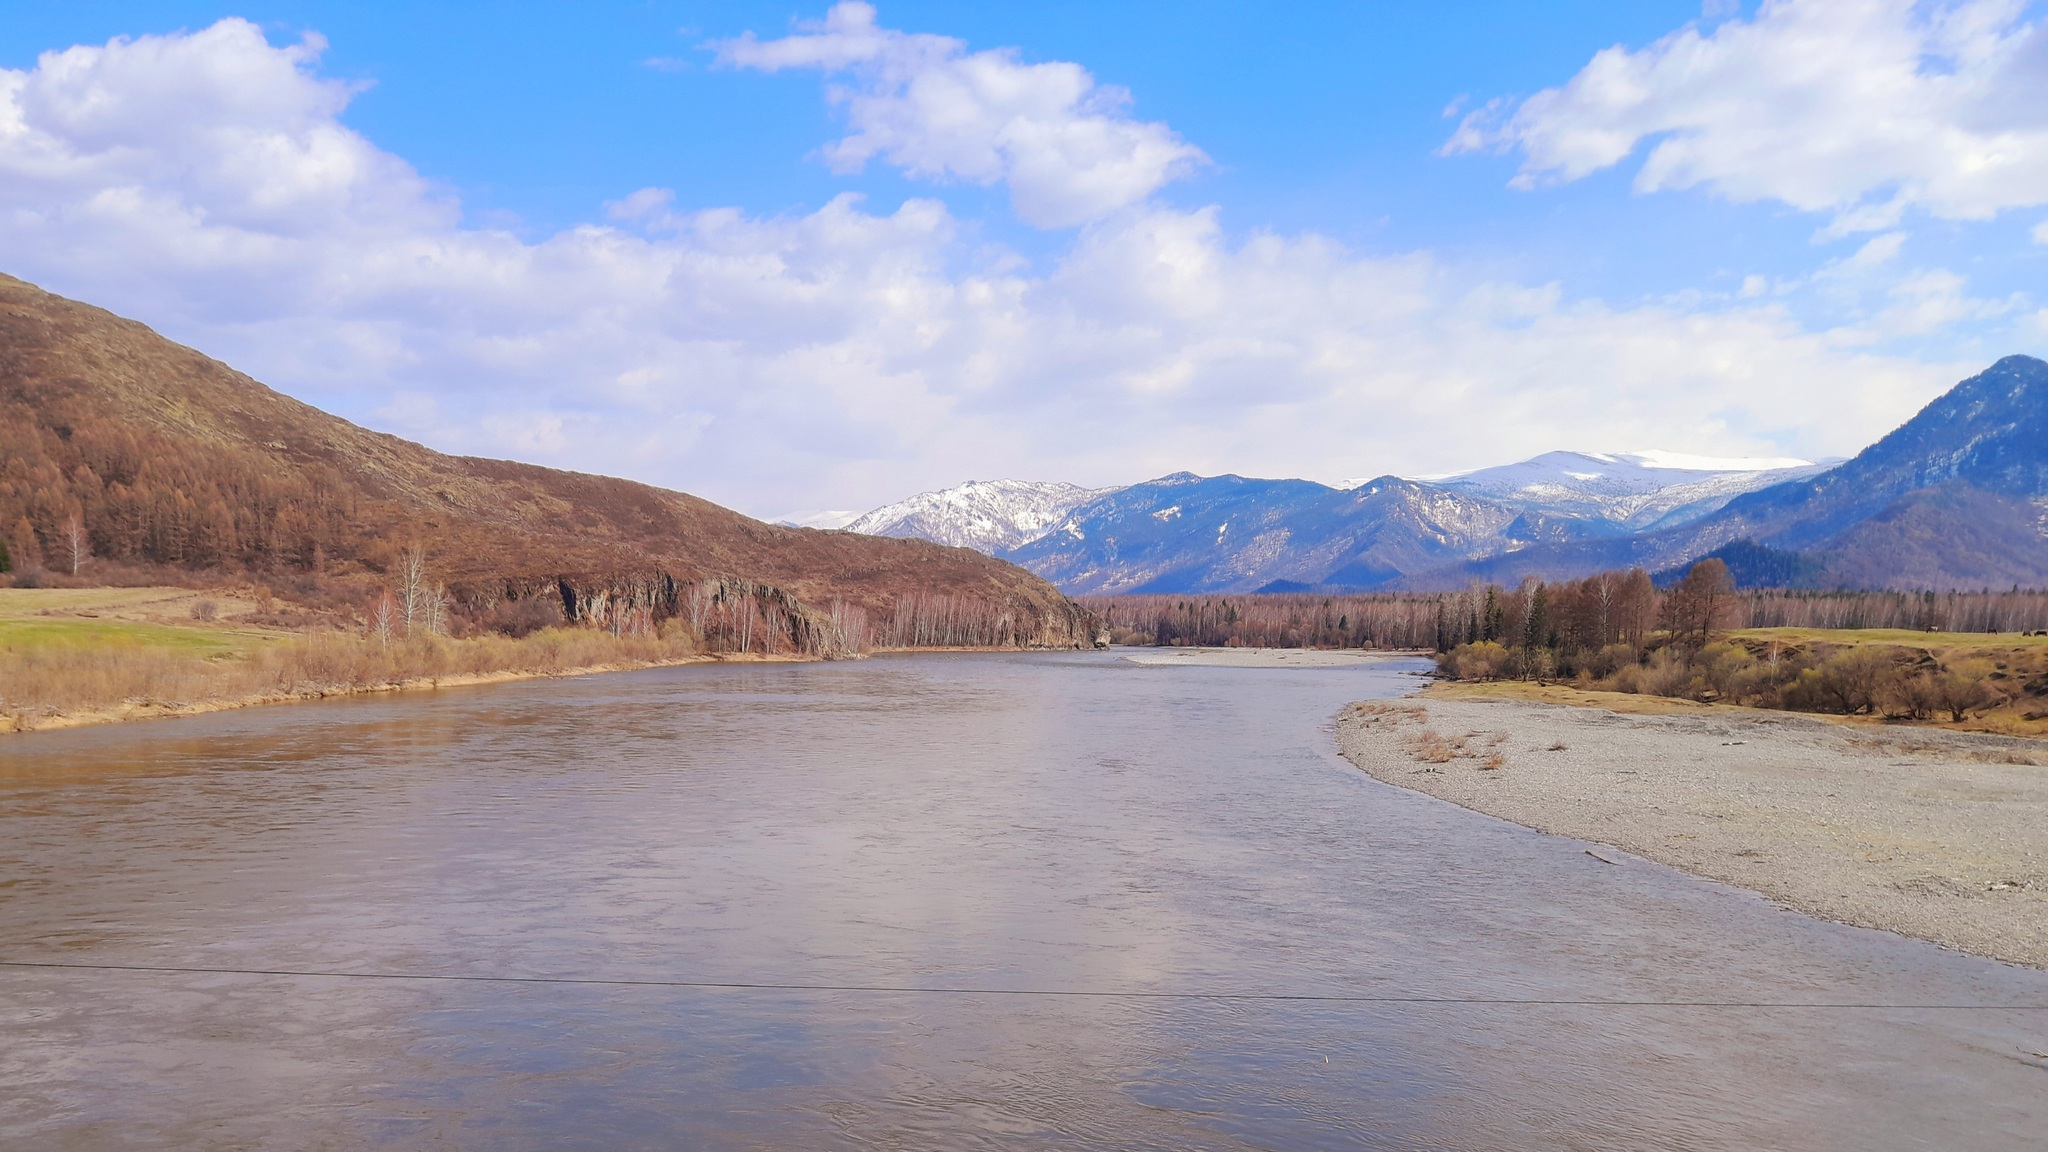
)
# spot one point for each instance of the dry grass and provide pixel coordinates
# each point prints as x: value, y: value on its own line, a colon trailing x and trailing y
x: 1945, y: 644
x: 112, y: 672
x: 1626, y: 702
x: 1427, y: 745
x: 1430, y: 747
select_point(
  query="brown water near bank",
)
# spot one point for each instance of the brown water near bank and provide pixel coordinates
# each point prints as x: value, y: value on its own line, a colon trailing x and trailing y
x: 1246, y: 942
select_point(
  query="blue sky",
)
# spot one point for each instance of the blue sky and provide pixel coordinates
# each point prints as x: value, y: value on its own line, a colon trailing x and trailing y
x: 1309, y: 283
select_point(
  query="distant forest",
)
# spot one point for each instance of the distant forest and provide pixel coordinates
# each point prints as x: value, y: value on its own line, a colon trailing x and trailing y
x: 1590, y: 614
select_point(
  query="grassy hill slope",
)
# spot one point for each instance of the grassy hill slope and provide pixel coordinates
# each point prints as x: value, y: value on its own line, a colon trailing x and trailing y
x: 172, y: 459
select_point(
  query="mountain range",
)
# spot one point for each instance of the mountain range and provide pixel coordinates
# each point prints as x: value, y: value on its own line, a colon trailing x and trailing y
x: 1956, y: 497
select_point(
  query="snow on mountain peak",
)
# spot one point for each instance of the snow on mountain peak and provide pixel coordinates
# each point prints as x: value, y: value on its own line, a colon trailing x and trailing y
x: 1634, y: 489
x: 986, y: 515
x: 1659, y: 458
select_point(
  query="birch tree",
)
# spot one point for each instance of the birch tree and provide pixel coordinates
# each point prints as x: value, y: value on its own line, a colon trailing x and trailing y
x: 412, y: 585
x: 75, y: 539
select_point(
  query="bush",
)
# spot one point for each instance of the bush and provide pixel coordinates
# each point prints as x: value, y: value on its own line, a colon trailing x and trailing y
x: 518, y: 618
x: 1957, y: 692
x: 1860, y: 679
x: 1484, y: 660
x: 1609, y: 660
x: 1725, y: 671
x: 1667, y: 673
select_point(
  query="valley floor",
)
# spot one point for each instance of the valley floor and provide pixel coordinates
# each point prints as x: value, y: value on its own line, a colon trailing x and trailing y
x: 1939, y: 835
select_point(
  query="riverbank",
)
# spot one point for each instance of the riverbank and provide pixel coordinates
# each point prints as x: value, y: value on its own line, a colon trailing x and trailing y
x: 73, y: 658
x: 147, y: 709
x: 1940, y: 835
x: 1261, y: 657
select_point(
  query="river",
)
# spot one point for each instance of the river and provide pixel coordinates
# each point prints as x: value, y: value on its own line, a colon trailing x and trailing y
x: 959, y: 901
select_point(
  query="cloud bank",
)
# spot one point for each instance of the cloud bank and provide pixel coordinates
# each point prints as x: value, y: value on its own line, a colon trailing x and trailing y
x: 206, y: 182
x: 1858, y: 108
x: 1055, y: 137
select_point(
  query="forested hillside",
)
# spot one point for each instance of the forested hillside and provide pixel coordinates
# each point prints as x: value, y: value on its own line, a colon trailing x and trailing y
x: 120, y: 449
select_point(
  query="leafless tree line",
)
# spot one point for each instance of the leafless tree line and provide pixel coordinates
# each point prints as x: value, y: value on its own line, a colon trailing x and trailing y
x: 1599, y: 611
x: 1283, y: 620
x: 2010, y: 611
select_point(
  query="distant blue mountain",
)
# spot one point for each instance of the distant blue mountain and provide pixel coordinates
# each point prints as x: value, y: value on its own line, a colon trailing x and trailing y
x: 1956, y: 497
x: 1187, y: 533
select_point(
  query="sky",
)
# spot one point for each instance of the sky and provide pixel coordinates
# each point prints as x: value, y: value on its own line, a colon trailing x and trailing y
x: 820, y: 257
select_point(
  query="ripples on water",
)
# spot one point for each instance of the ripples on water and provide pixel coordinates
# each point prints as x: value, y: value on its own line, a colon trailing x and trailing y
x: 1051, y: 823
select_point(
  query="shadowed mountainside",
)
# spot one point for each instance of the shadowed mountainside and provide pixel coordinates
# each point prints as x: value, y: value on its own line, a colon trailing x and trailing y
x: 1956, y: 497
x: 169, y: 457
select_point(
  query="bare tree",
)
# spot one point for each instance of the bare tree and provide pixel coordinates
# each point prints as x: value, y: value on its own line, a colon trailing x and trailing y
x: 434, y: 610
x: 75, y: 539
x: 412, y: 585
x: 1697, y: 604
x: 700, y: 604
x: 383, y: 615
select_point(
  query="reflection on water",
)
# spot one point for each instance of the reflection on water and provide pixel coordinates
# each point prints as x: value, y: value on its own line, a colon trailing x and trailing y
x: 1060, y: 823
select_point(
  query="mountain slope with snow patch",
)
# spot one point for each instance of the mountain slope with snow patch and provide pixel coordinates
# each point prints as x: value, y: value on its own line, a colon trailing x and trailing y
x: 988, y: 516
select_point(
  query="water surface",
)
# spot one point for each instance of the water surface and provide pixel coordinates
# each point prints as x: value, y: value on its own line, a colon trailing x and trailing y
x: 1171, y: 915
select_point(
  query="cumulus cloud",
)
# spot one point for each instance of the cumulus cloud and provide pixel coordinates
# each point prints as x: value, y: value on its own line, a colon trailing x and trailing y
x: 847, y: 356
x: 1858, y: 108
x: 1060, y: 141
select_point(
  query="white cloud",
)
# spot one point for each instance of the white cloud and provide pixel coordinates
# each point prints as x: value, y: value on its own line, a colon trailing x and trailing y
x: 1059, y: 140
x: 205, y: 184
x: 1859, y: 108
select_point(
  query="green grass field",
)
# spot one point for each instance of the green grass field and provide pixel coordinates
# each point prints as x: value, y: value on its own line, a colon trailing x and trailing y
x: 77, y: 619
x: 1958, y: 642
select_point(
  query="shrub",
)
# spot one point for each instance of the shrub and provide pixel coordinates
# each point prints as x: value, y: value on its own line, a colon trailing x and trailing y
x: 1484, y: 660
x: 519, y: 618
x: 1857, y: 679
x: 1724, y: 671
x: 1609, y: 660
x: 1666, y: 674
x: 1957, y: 691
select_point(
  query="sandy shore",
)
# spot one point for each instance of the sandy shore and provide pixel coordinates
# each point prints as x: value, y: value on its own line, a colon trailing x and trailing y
x: 1258, y: 657
x: 1934, y: 834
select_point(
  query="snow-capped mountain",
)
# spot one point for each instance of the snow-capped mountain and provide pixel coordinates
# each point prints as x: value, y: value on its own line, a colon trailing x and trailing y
x: 989, y: 516
x: 1956, y: 497
x: 1953, y: 498
x: 1636, y: 490
x: 1229, y: 533
x: 1187, y: 533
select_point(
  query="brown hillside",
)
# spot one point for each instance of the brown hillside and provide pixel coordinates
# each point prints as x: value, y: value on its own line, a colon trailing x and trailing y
x: 171, y: 458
